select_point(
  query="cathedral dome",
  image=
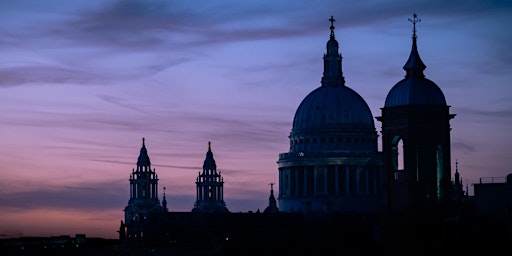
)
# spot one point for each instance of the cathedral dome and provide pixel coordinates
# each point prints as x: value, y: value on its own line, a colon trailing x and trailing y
x: 333, y: 118
x: 333, y: 107
x: 333, y: 164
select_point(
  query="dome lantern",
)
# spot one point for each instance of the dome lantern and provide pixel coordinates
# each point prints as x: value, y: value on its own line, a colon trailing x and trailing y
x: 333, y: 74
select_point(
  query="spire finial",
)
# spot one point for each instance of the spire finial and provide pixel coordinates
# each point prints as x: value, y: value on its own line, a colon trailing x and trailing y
x: 271, y: 188
x: 143, y: 141
x: 414, y: 66
x: 209, y: 146
x: 332, y: 20
x: 456, y: 165
x: 414, y: 20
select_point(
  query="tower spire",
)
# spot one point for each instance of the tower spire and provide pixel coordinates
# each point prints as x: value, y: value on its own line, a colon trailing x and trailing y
x: 272, y: 203
x: 143, y: 160
x: 164, y: 202
x: 414, y: 66
x: 209, y: 161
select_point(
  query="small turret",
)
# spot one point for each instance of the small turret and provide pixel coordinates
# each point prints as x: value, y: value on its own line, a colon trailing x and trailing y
x: 272, y: 203
x: 164, y: 203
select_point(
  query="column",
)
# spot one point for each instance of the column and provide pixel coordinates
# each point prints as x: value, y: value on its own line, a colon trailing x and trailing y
x: 305, y: 181
x: 287, y: 181
x: 280, y: 178
x: 336, y: 181
x: 347, y: 180
x: 367, y: 170
x: 358, y: 180
x: 326, y: 174
x: 296, y: 181
x: 315, y: 174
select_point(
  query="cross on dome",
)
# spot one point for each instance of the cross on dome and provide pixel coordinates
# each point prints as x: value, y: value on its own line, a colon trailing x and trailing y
x: 332, y: 20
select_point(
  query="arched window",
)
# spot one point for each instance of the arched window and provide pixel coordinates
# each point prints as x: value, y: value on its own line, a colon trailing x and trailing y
x: 397, y: 156
x: 440, y: 170
x: 400, y: 160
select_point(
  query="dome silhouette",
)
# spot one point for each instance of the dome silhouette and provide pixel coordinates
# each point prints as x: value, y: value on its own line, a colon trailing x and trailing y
x: 415, y: 91
x: 333, y: 107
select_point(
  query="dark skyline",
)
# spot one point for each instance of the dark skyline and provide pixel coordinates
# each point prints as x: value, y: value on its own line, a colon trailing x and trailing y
x: 83, y: 82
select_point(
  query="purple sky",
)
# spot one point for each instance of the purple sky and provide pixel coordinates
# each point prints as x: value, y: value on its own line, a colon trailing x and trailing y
x: 83, y: 81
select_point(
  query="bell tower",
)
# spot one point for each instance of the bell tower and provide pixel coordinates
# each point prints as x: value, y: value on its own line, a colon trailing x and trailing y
x: 416, y: 141
x: 210, y: 187
x: 143, y: 206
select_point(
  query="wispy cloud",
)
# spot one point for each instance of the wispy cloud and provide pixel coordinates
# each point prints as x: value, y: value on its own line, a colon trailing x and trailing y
x: 93, y: 196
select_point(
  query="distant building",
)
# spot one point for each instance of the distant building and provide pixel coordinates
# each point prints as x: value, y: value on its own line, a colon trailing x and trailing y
x: 493, y: 197
x: 458, y: 193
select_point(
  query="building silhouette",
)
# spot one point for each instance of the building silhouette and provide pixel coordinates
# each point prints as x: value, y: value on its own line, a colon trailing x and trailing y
x: 143, y: 208
x: 333, y: 164
x: 337, y: 192
x: 210, y: 187
x: 272, y: 202
x: 416, y: 113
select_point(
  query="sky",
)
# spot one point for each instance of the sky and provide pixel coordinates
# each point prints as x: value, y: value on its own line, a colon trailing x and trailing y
x: 82, y: 82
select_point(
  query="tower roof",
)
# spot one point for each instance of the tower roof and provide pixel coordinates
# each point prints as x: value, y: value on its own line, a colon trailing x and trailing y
x: 143, y: 159
x: 414, y: 65
x: 209, y: 162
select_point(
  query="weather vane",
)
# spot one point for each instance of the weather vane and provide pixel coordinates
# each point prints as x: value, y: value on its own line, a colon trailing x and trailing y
x: 271, y: 185
x: 414, y: 20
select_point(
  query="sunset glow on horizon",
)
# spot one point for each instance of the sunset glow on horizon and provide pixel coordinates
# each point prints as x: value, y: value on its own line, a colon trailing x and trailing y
x: 84, y: 81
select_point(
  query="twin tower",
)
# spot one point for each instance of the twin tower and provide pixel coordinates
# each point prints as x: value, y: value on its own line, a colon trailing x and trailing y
x: 333, y: 164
